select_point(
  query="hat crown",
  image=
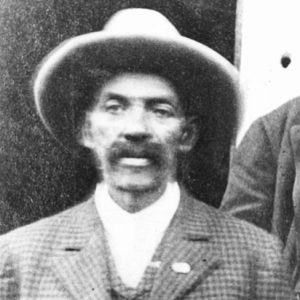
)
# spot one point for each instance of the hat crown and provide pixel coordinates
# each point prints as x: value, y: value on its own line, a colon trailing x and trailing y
x: 133, y: 39
x: 140, y: 21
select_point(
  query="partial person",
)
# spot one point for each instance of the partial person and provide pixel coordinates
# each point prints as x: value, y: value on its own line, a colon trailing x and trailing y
x: 264, y: 179
x: 138, y: 96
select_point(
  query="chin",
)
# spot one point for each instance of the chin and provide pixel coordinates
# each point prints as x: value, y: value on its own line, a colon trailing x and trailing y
x: 138, y: 184
x: 137, y: 188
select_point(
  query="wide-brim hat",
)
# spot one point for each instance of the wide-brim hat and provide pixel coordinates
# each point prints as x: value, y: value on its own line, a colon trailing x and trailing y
x: 136, y: 40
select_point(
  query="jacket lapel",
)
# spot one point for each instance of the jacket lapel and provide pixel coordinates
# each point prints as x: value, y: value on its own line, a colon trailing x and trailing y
x: 188, y: 257
x: 292, y: 247
x: 80, y: 264
x: 295, y: 138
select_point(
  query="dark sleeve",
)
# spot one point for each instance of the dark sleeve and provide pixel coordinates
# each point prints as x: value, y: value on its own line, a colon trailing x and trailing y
x: 250, y: 191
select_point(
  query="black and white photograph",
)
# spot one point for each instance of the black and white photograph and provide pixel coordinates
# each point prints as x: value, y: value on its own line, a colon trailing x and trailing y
x: 149, y: 149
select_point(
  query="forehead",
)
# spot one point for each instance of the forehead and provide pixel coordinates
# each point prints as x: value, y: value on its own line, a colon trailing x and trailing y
x: 139, y: 85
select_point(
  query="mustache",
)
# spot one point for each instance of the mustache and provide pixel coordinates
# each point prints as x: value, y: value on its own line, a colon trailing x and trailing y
x: 150, y: 150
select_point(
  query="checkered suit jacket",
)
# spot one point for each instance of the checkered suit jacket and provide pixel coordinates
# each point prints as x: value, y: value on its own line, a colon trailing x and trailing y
x: 62, y: 257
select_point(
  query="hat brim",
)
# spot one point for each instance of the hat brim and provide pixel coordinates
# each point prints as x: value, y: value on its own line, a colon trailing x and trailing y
x: 65, y: 78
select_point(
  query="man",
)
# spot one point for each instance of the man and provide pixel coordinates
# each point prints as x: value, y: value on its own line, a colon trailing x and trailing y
x: 137, y: 94
x: 265, y: 174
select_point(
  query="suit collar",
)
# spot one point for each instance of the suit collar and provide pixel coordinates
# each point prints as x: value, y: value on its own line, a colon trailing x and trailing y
x: 194, y: 219
x: 80, y: 262
x: 187, y: 242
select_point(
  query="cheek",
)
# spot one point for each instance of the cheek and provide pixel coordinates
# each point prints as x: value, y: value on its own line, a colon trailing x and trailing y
x: 102, y: 129
x: 170, y: 134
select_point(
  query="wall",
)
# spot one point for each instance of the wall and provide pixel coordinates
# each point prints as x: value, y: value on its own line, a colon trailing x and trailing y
x: 37, y: 177
x: 268, y: 54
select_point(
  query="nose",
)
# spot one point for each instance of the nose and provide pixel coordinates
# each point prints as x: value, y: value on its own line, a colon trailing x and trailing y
x: 136, y: 128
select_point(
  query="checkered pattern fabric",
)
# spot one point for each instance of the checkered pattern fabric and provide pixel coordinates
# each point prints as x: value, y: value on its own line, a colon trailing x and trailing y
x: 63, y: 257
x: 121, y: 292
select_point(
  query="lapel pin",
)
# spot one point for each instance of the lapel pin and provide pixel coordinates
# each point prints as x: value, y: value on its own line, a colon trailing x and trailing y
x: 181, y: 267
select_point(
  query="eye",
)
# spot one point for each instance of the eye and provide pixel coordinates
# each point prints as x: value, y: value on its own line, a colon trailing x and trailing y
x: 164, y: 111
x: 114, y: 106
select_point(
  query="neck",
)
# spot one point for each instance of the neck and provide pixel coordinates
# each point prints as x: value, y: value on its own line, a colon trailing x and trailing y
x: 135, y: 201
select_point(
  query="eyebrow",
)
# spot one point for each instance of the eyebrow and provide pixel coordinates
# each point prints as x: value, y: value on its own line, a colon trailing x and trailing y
x: 115, y: 96
x: 154, y: 99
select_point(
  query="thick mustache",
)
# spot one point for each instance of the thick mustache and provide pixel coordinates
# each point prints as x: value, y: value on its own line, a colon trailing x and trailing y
x: 152, y: 151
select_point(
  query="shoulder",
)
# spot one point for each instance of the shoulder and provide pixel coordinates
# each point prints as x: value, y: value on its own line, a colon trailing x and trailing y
x: 267, y: 136
x: 245, y: 255
x: 287, y: 111
x: 276, y: 123
x: 238, y: 235
x: 247, y: 248
x: 43, y: 235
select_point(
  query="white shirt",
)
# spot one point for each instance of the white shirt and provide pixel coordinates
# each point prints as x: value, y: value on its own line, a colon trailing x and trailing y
x: 133, y: 237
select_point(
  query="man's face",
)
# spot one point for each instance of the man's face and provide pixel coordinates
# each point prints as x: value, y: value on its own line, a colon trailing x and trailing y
x: 136, y: 129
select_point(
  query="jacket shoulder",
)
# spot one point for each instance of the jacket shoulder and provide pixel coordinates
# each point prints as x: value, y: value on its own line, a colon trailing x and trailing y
x: 280, y: 120
x: 229, y: 229
x: 43, y: 234
x: 247, y: 247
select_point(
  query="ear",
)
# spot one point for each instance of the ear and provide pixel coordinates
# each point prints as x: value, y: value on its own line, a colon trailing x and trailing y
x: 189, y: 135
x: 86, y: 137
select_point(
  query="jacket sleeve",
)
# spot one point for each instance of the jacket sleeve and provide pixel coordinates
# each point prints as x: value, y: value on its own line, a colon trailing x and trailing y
x: 9, y: 286
x: 250, y: 191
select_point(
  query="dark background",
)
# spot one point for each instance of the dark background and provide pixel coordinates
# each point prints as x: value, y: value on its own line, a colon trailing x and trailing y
x: 37, y: 177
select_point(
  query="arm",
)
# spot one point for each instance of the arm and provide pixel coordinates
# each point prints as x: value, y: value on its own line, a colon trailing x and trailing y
x: 250, y: 190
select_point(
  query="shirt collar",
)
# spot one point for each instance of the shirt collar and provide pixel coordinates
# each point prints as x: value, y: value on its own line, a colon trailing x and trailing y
x: 162, y: 210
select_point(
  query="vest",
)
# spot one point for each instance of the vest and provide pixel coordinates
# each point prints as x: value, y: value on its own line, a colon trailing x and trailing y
x: 118, y: 290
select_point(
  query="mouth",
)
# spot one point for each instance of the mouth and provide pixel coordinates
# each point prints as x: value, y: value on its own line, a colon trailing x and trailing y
x: 135, y: 161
